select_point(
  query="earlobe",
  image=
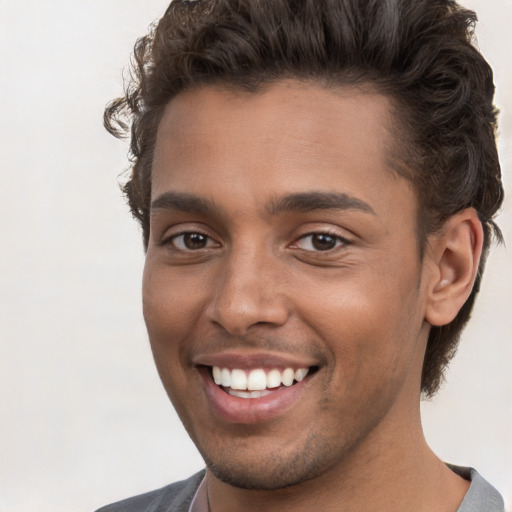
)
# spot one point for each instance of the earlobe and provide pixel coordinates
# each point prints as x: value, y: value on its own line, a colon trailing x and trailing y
x: 455, y: 254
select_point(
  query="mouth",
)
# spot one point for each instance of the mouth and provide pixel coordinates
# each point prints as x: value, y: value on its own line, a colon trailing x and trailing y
x: 257, y: 382
x: 254, y: 387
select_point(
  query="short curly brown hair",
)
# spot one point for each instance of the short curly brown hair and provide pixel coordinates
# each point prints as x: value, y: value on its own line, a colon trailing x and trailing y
x: 417, y: 52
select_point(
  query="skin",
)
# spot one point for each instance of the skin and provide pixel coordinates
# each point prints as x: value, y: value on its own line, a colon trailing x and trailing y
x: 257, y: 285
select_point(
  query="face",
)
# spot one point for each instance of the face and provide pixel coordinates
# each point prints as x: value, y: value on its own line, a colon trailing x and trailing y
x: 283, y: 290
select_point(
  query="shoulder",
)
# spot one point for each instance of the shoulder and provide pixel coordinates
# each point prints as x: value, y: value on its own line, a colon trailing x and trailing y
x: 481, y: 495
x: 172, y: 498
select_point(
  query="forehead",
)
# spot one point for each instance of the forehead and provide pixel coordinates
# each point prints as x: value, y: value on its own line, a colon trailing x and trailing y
x: 289, y: 137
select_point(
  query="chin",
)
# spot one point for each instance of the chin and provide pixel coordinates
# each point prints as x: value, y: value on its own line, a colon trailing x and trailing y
x: 272, y: 471
x: 260, y: 479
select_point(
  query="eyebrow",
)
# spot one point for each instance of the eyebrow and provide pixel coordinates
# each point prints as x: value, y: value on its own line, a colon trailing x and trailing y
x: 183, y: 202
x: 302, y: 202
x: 310, y: 201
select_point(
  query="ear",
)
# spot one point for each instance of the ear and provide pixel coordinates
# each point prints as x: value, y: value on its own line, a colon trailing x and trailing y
x: 455, y: 255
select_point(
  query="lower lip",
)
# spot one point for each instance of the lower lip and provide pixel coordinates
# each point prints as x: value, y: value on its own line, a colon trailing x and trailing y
x: 250, y: 410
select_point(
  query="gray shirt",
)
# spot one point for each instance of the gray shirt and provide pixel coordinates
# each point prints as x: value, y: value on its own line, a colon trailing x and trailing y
x: 180, y: 496
x: 481, y: 495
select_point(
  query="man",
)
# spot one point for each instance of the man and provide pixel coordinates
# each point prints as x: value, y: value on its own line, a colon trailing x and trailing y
x: 316, y: 183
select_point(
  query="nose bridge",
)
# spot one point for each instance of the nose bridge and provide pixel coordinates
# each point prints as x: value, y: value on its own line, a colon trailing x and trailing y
x: 247, y: 291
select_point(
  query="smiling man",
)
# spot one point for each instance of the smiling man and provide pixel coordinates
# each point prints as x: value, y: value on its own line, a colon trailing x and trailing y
x: 316, y: 182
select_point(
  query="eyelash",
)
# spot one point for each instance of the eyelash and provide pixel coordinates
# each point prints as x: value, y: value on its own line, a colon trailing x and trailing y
x: 339, y: 241
x: 171, y: 240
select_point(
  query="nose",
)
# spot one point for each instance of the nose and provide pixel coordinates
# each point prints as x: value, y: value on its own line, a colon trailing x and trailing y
x: 248, y: 293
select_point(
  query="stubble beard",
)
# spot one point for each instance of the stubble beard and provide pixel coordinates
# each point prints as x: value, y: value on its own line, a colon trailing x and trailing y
x: 277, y: 470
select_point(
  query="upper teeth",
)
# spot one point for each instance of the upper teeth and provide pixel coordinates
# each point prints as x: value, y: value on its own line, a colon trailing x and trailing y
x: 257, y: 379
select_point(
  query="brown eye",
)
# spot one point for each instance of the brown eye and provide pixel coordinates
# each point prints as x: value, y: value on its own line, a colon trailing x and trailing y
x: 319, y: 242
x: 323, y: 242
x: 192, y: 241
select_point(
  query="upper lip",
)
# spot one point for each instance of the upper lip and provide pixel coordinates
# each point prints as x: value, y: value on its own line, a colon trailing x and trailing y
x: 234, y: 359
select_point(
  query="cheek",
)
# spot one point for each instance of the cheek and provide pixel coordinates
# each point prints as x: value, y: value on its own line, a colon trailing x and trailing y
x: 370, y: 324
x: 170, y: 304
x: 168, y: 325
x: 169, y: 317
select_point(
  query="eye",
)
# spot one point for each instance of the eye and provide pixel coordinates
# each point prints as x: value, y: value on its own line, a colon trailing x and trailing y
x: 192, y: 241
x: 319, y: 242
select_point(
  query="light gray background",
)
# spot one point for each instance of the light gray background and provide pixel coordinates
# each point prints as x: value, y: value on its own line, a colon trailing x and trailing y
x: 84, y: 420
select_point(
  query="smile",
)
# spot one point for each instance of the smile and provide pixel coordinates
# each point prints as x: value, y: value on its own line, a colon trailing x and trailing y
x: 256, y: 383
x: 249, y: 388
